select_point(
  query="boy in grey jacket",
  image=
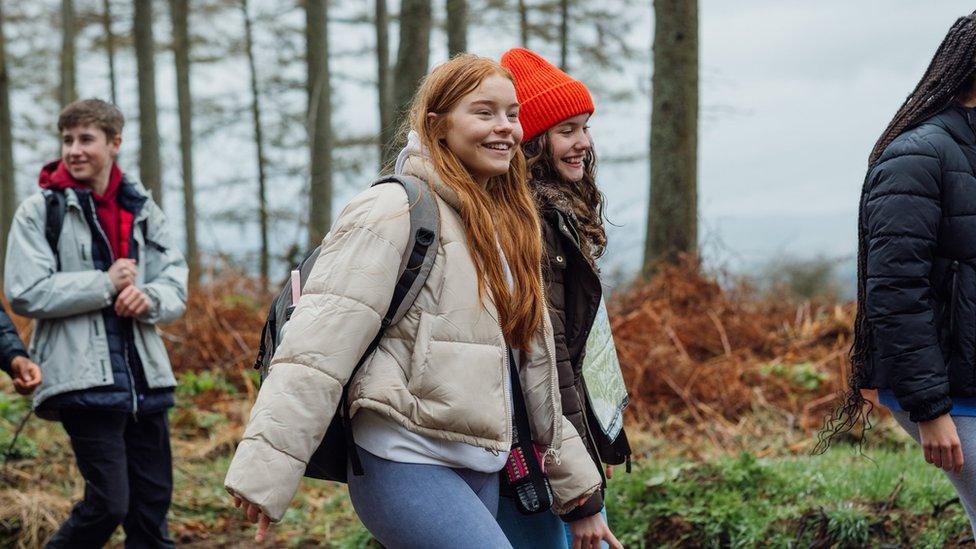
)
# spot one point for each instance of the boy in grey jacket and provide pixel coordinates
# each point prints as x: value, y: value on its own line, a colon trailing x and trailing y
x: 97, y: 293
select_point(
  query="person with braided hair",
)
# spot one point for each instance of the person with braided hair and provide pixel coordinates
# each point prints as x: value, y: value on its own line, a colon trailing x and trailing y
x: 915, y: 329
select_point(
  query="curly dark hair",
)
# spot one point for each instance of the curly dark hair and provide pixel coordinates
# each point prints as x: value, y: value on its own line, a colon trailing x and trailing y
x: 949, y: 78
x: 583, y: 199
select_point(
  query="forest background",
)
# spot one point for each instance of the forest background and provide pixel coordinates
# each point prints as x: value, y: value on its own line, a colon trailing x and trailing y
x: 254, y: 121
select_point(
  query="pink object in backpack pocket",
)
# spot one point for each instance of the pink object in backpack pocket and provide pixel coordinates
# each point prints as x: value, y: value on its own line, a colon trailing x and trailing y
x: 296, y: 286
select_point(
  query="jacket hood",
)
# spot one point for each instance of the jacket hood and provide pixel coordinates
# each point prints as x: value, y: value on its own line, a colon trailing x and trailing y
x: 419, y: 166
x: 959, y: 121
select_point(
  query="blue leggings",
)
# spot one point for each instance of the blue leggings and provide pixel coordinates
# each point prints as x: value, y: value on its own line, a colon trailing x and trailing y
x: 538, y: 531
x: 414, y: 505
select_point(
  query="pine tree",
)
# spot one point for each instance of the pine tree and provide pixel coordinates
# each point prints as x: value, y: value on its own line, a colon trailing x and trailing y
x: 149, y: 166
x: 319, y: 91
x: 672, y: 226
x: 179, y: 12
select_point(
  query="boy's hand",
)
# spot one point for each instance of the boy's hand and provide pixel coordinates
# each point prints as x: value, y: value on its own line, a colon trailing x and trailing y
x: 26, y: 375
x: 122, y: 273
x: 132, y: 302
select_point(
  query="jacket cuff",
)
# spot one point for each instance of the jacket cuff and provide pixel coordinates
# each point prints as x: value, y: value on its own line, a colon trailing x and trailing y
x: 592, y: 506
x: 264, y: 476
x: 7, y: 360
x: 930, y: 410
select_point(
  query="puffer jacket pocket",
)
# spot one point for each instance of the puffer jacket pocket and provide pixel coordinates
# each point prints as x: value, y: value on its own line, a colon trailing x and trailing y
x: 420, y: 355
x: 948, y: 317
x: 960, y: 321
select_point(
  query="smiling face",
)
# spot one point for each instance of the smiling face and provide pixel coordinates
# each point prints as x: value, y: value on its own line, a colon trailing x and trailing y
x: 88, y: 153
x: 483, y: 128
x: 569, y: 142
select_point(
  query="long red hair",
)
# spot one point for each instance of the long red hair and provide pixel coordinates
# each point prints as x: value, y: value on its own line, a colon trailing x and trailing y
x: 500, y: 213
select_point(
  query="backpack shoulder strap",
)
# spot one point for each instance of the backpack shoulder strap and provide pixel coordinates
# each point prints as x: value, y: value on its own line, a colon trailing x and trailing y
x: 418, y: 259
x: 55, y: 205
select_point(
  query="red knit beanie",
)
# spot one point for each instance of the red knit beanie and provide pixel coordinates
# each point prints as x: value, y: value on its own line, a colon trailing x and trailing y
x: 547, y: 94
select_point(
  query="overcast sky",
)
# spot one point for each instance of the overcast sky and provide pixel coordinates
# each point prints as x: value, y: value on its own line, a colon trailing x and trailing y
x: 793, y: 95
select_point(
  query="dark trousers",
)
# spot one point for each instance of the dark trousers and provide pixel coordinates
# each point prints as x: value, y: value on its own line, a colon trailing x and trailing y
x: 128, y: 472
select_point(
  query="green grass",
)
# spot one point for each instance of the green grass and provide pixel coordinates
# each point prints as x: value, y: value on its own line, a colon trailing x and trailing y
x: 839, y: 499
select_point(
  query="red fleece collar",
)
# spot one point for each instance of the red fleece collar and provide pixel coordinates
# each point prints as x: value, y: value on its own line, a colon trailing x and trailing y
x: 55, y: 176
x: 116, y: 221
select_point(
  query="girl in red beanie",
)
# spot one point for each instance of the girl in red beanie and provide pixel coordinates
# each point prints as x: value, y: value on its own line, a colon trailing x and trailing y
x: 555, y: 111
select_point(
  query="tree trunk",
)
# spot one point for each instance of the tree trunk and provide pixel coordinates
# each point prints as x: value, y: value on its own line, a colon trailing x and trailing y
x: 8, y: 186
x: 259, y: 142
x: 383, y: 89
x: 523, y: 12
x: 67, y: 91
x: 319, y: 90
x: 109, y: 46
x: 149, y: 168
x: 564, y: 35
x: 181, y: 53
x: 412, y: 54
x: 457, y: 27
x: 672, y: 227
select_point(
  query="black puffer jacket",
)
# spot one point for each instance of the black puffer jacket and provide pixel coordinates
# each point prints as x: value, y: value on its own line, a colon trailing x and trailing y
x: 573, y: 292
x: 10, y: 344
x: 919, y: 222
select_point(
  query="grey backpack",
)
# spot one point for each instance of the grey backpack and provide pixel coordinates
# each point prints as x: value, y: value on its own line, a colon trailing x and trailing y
x: 329, y: 459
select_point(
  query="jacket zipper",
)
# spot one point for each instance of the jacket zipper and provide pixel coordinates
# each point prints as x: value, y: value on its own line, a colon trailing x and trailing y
x: 556, y: 444
x: 589, y: 432
x: 567, y: 227
x: 569, y: 231
x: 953, y: 293
x: 506, y: 388
x: 125, y: 354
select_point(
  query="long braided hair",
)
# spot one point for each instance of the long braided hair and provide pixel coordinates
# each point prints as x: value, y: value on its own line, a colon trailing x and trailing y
x: 950, y: 76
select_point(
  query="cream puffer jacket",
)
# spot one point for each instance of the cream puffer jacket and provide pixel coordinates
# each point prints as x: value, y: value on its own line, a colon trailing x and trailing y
x: 439, y: 372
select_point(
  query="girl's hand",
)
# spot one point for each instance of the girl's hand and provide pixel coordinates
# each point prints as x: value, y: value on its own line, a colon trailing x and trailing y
x: 590, y: 531
x: 940, y: 442
x: 609, y: 472
x: 253, y: 513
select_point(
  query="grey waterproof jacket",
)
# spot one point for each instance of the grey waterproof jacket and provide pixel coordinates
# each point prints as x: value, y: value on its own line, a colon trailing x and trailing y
x: 69, y: 341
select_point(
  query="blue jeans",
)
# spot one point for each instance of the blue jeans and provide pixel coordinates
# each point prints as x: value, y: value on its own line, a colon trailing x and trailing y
x: 415, y: 505
x: 538, y: 531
